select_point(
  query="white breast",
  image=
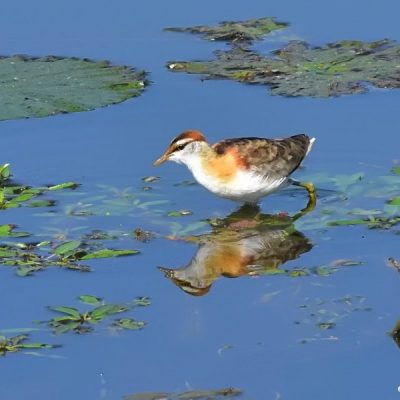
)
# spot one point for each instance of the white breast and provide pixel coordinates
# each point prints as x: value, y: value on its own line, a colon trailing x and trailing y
x: 247, y: 186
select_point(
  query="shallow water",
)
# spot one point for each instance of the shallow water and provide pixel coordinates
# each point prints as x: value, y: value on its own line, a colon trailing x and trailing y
x: 246, y: 332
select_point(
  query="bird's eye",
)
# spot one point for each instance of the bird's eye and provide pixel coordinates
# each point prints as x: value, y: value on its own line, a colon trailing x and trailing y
x: 180, y: 147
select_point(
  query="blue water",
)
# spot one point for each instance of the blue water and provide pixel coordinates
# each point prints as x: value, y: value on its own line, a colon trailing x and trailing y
x: 179, y: 348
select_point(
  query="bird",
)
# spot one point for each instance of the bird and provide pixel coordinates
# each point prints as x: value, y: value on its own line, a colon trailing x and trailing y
x: 242, y: 169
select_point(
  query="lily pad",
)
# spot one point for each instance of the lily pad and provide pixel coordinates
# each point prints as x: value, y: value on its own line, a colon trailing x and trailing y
x: 343, y: 67
x: 236, y: 31
x: 39, y: 87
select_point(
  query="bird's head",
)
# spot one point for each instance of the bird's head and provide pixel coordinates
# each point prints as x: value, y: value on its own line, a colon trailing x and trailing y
x: 183, y: 147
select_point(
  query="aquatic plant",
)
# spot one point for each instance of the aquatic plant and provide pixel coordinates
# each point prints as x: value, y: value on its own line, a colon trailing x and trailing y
x: 217, y: 394
x: 71, y: 319
x: 43, y: 86
x: 243, y: 32
x: 298, y: 69
x: 18, y: 343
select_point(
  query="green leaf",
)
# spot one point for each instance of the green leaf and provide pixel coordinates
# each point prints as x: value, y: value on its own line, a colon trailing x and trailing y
x: 106, y: 253
x: 64, y: 328
x: 5, y: 172
x: 41, y: 203
x: 73, y: 312
x: 70, y: 85
x: 142, y: 301
x: 107, y: 309
x: 36, y: 346
x: 88, y: 299
x: 272, y: 271
x: 7, y: 231
x: 24, y: 196
x: 180, y: 213
x: 65, y: 185
x: 395, y: 201
x: 26, y: 270
x: 347, y: 222
x: 67, y: 247
x: 396, y: 170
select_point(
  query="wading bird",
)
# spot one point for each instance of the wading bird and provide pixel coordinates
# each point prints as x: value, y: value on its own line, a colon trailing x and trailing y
x: 242, y: 169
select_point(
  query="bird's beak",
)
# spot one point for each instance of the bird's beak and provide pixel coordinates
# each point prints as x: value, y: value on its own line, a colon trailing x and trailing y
x: 160, y: 160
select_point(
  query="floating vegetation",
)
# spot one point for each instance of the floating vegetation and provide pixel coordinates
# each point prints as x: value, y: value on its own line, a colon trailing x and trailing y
x: 150, y: 179
x: 114, y: 201
x: 14, y: 195
x: 325, y: 315
x: 4, y: 172
x: 8, y: 231
x: 190, y: 395
x: 179, y: 213
x: 393, y: 263
x: 143, y: 236
x: 322, y: 270
x: 127, y: 323
x: 343, y: 67
x: 39, y: 87
x: 351, y: 191
x: 34, y: 257
x: 395, y: 333
x: 18, y: 343
x: 236, y: 31
x: 71, y: 319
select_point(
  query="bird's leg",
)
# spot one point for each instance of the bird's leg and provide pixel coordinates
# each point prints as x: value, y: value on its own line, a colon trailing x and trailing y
x: 312, y: 197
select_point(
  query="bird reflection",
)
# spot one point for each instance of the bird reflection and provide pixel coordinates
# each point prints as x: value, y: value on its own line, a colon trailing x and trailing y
x: 246, y: 242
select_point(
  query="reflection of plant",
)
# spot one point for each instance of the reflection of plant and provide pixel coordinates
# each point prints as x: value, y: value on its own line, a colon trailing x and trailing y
x: 17, y: 343
x: 71, y: 319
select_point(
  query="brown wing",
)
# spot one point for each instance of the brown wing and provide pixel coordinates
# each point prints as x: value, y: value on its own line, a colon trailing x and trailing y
x: 269, y: 157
